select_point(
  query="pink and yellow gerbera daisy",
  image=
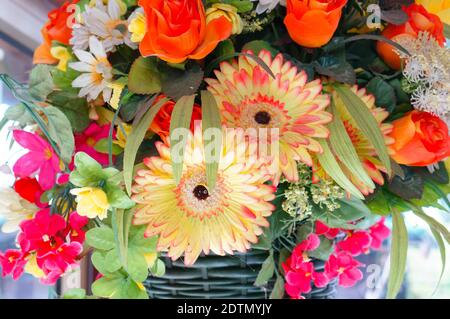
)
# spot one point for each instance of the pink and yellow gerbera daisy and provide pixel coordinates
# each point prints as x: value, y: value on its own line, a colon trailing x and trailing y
x: 191, y: 218
x: 248, y: 97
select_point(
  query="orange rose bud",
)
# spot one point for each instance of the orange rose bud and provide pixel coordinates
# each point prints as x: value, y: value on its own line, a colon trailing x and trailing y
x: 161, y: 123
x: 58, y: 28
x: 419, y: 20
x: 312, y: 23
x: 177, y: 30
x: 421, y: 139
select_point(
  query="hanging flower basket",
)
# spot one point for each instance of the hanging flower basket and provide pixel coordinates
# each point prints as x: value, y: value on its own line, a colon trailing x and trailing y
x: 239, y: 138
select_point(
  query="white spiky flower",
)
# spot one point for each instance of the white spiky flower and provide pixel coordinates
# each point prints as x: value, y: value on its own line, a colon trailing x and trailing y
x: 106, y: 23
x: 427, y: 69
x: 14, y: 209
x: 96, y: 70
x: 268, y: 5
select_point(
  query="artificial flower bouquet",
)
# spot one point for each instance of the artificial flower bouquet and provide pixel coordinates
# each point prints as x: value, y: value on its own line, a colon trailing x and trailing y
x: 179, y: 129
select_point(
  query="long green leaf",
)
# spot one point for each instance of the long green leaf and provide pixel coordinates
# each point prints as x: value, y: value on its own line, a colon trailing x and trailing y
x: 332, y: 168
x: 366, y: 123
x: 134, y: 140
x: 399, y: 252
x: 117, y: 222
x: 344, y: 149
x: 432, y: 222
x: 181, y: 119
x: 211, y: 120
x: 443, y: 253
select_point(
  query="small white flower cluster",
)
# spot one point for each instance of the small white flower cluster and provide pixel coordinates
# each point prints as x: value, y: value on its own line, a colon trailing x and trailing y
x: 427, y: 70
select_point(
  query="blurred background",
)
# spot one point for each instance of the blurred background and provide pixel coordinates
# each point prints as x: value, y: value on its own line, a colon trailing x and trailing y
x: 20, y: 24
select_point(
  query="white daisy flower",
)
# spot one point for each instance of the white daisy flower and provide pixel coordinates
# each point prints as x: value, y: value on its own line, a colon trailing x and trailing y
x: 104, y: 22
x: 96, y: 71
x: 14, y: 209
x: 268, y: 5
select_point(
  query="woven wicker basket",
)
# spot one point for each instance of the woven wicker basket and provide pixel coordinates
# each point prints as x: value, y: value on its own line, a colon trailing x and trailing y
x: 220, y: 277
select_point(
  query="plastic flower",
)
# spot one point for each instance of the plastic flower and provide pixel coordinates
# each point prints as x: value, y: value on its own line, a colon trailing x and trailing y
x: 12, y: 262
x: 343, y: 266
x: 177, y: 30
x: 322, y: 229
x: 137, y: 25
x: 378, y: 232
x: 421, y: 139
x: 248, y: 97
x: 441, y: 8
x: 62, y: 55
x: 364, y: 149
x: 123, y: 130
x: 96, y: 72
x: 14, y: 210
x: 419, y: 20
x: 268, y: 5
x: 59, y: 29
x: 299, y: 271
x: 228, y: 11
x: 161, y: 122
x: 86, y: 141
x: 103, y: 22
x: 190, y: 217
x: 40, y: 157
x: 92, y: 202
x: 312, y: 23
x: 356, y: 242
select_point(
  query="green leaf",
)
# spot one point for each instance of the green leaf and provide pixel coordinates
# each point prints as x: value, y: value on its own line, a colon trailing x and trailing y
x: 76, y: 109
x: 211, y: 128
x: 109, y: 287
x: 442, y: 251
x: 18, y: 113
x: 102, y: 146
x: 179, y: 125
x: 41, y: 82
x: 101, y: 238
x: 366, y: 122
x: 399, y: 251
x: 158, y: 269
x: 384, y: 93
x: 225, y: 47
x: 137, y: 265
x: 87, y: 167
x: 278, y: 289
x: 117, y: 197
x: 324, y: 250
x: 60, y: 131
x: 345, y: 151
x: 134, y: 141
x: 332, y: 168
x: 447, y: 30
x: 112, y: 261
x: 178, y: 83
x: 144, y: 77
x: 75, y: 293
x: 267, y: 271
x: 432, y: 223
x: 63, y: 79
x: 99, y: 261
x: 140, y: 242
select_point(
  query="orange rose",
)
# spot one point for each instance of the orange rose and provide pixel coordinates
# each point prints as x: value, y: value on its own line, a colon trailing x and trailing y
x: 421, y: 139
x: 419, y: 20
x: 177, y: 30
x: 161, y: 123
x: 312, y: 23
x: 58, y: 28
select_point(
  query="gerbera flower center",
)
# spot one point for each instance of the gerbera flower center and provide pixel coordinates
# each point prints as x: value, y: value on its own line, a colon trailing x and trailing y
x: 262, y: 117
x: 201, y: 192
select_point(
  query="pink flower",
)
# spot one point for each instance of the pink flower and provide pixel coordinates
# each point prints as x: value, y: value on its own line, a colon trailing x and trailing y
x: 299, y: 271
x: 345, y: 267
x: 41, y: 158
x: 86, y: 141
x: 356, y: 242
x: 43, y: 233
x: 322, y: 229
x: 12, y: 262
x: 75, y: 227
x: 379, y: 232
